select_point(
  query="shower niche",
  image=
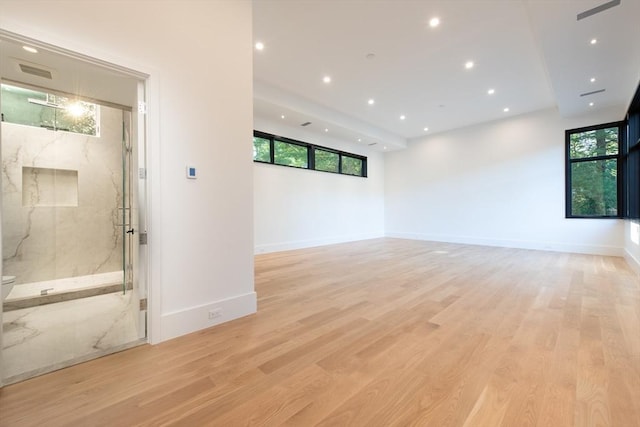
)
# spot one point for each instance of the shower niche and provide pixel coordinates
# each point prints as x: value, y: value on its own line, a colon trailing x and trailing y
x: 49, y: 187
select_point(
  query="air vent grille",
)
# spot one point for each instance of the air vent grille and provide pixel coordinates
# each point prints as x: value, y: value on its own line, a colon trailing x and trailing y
x: 592, y: 93
x: 35, y: 71
x: 598, y: 9
x: 305, y: 124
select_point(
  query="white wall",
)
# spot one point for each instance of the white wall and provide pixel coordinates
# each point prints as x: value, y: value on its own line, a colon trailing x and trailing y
x: 499, y: 183
x: 297, y: 208
x: 199, y: 57
x: 632, y: 244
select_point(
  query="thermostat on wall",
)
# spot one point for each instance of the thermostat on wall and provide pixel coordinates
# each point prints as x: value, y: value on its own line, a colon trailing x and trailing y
x: 191, y: 172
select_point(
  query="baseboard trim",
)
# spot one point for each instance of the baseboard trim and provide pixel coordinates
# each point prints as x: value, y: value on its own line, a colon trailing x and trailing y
x: 193, y: 319
x: 632, y: 261
x: 301, y: 244
x: 518, y: 244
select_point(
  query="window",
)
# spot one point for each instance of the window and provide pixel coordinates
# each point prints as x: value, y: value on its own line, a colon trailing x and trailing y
x: 281, y: 151
x: 351, y: 166
x: 632, y: 163
x: 326, y: 161
x: 261, y: 149
x: 288, y: 154
x: 40, y: 109
x: 593, y: 164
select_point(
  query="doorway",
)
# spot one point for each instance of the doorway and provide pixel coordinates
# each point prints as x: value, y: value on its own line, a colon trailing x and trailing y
x: 73, y: 177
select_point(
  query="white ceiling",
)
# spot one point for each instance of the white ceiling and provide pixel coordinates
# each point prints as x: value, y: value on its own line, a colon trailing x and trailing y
x: 83, y: 78
x: 534, y: 53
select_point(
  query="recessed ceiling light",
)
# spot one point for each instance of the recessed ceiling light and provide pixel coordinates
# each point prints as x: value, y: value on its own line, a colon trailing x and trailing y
x: 402, y: 117
x: 371, y: 101
x: 593, y: 79
x: 468, y: 65
x: 259, y: 46
x: 591, y: 104
x: 426, y: 129
x: 326, y: 130
x: 30, y: 49
x: 359, y: 139
x: 506, y: 109
x: 282, y: 116
x: 434, y: 22
x: 491, y: 91
x: 385, y: 148
x: 594, y: 41
x: 326, y: 79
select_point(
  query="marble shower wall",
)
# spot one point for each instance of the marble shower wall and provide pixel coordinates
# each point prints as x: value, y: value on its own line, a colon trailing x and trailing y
x: 60, y: 197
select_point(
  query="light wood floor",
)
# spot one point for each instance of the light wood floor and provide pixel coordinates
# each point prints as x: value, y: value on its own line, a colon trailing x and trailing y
x: 383, y: 332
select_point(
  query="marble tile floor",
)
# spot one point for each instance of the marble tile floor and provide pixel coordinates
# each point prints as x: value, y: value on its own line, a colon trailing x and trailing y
x: 44, y: 338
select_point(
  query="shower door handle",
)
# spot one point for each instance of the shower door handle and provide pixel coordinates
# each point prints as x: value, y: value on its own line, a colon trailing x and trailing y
x: 130, y: 231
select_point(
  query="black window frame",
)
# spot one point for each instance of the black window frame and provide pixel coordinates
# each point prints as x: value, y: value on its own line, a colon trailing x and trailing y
x: 289, y: 142
x: 271, y: 151
x: 326, y: 150
x: 631, y: 160
x: 619, y: 165
x: 311, y: 148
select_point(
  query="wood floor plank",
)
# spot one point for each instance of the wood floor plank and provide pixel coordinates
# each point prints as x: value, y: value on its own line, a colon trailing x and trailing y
x: 383, y: 332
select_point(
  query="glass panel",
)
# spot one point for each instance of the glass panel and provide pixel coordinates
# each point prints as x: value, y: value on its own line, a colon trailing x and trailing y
x: 351, y: 166
x: 594, y: 188
x: 593, y: 143
x: 290, y: 154
x: 17, y: 109
x: 65, y: 201
x: 326, y: 161
x: 78, y: 116
x: 32, y: 108
x: 126, y: 204
x: 261, y: 149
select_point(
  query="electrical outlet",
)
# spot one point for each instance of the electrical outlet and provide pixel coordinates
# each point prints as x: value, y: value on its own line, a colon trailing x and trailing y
x: 215, y: 313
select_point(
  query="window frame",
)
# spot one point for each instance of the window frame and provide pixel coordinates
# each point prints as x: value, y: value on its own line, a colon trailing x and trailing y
x: 619, y: 167
x: 55, y: 107
x: 631, y: 161
x: 326, y: 150
x: 289, y: 142
x: 271, y: 153
x: 311, y: 148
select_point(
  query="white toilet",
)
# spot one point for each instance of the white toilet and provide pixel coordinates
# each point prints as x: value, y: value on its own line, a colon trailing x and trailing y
x: 7, y: 285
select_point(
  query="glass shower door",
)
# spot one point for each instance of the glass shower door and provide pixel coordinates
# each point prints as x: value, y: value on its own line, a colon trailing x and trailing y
x: 69, y: 232
x: 131, y: 227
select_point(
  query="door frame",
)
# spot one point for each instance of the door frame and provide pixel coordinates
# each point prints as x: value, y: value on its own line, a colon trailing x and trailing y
x: 140, y: 134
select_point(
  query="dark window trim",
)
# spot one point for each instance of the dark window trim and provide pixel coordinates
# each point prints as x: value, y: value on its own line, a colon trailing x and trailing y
x: 619, y: 165
x: 631, y: 184
x: 310, y: 154
x: 271, y: 158
x: 631, y: 160
x: 290, y: 142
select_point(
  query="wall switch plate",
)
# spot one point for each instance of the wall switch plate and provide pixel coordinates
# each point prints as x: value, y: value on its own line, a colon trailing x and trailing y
x: 215, y: 313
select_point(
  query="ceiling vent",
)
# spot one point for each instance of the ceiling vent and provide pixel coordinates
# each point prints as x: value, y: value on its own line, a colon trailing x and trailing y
x: 372, y: 144
x: 592, y: 93
x: 598, y: 9
x: 35, y: 71
x: 306, y: 124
